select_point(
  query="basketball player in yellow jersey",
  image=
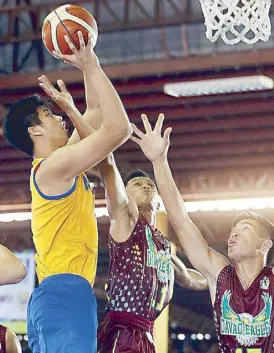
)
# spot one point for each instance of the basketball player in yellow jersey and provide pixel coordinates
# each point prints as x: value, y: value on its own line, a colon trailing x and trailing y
x: 62, y: 311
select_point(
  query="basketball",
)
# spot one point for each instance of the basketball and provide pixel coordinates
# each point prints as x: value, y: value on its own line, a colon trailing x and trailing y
x: 68, y: 20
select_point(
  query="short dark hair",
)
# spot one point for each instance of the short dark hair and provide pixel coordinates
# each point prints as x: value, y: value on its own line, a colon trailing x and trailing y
x: 265, y: 223
x: 136, y: 174
x: 20, y: 117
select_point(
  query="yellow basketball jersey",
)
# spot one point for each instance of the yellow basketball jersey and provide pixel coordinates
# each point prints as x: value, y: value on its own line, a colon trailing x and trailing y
x: 64, y: 230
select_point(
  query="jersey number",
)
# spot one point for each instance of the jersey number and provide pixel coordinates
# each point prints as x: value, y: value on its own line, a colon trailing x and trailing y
x: 249, y: 350
x: 159, y: 306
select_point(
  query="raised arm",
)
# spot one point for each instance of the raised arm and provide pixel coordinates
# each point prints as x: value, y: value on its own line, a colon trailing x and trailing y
x: 155, y: 147
x: 115, y: 129
x: 186, y: 277
x: 122, y: 211
x: 93, y: 114
x: 11, y: 268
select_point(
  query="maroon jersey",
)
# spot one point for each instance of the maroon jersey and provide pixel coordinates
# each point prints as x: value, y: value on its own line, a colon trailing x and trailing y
x: 3, y: 331
x: 141, y: 276
x: 244, y: 317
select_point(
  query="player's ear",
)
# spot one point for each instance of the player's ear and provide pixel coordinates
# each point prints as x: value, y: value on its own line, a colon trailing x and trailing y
x: 268, y: 244
x: 35, y: 130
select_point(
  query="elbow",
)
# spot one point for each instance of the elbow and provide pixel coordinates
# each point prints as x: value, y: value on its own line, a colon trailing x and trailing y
x: 122, y: 133
x: 23, y: 273
x: 123, y: 128
x: 20, y: 274
x: 129, y: 130
x: 117, y: 134
x: 126, y: 130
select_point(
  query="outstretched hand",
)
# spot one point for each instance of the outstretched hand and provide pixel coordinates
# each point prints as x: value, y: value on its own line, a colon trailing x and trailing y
x: 153, y: 145
x: 62, y: 98
x: 82, y: 58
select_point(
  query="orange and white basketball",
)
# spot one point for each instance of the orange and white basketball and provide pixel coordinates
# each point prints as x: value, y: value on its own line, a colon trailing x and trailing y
x: 68, y: 20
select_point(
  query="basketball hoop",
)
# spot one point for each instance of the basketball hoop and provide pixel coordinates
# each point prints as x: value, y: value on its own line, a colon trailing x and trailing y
x: 237, y: 20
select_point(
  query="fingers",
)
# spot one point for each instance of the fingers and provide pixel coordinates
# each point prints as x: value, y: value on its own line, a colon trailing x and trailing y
x: 137, y: 131
x: 90, y: 40
x: 43, y: 79
x: 62, y: 86
x: 166, y: 136
x: 47, y: 90
x: 134, y: 139
x: 68, y: 59
x: 146, y: 123
x: 47, y: 86
x: 58, y: 55
x: 159, y: 123
x: 71, y: 45
x: 81, y: 40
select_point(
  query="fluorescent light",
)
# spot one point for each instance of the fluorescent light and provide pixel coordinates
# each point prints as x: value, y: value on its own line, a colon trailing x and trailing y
x: 255, y: 203
x: 10, y: 217
x: 25, y: 216
x: 219, y: 86
x: 229, y: 205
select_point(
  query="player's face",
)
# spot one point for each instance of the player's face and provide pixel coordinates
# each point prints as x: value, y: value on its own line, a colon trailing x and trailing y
x: 53, y: 127
x: 244, y: 240
x: 143, y: 191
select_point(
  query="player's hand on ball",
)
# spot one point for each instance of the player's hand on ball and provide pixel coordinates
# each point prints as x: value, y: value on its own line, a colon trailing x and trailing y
x: 83, y: 58
x: 153, y: 145
x: 62, y: 98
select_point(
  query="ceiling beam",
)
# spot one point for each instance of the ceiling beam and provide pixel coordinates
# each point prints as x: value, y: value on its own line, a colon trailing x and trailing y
x: 193, y: 138
x: 149, y: 68
x: 124, y: 21
x: 148, y: 84
x: 178, y: 163
x: 253, y: 120
x: 180, y: 108
x: 12, y: 160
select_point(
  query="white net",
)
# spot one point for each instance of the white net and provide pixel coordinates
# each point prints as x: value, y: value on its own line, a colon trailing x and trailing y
x: 237, y: 20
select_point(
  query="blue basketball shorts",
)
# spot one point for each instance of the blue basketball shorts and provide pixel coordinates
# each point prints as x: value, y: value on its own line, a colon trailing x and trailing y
x: 62, y: 316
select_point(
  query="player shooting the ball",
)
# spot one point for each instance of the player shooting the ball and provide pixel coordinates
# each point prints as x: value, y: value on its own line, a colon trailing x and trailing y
x: 62, y: 313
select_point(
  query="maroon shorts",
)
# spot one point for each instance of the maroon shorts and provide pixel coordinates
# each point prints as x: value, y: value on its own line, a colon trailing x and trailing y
x: 121, y: 332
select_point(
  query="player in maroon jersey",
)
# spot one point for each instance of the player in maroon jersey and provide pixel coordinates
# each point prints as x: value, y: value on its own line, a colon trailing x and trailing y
x: 9, y: 342
x: 140, y: 280
x: 241, y: 289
